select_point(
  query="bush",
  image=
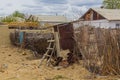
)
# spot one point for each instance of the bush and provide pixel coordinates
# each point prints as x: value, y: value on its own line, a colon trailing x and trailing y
x: 8, y: 19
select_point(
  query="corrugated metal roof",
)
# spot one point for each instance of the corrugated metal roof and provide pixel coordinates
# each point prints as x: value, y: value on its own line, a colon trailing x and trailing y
x: 50, y: 18
x: 110, y: 14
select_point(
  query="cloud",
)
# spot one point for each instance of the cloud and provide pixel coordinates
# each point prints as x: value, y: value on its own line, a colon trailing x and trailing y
x: 10, y: 6
x: 83, y: 2
x: 54, y: 1
x: 69, y: 8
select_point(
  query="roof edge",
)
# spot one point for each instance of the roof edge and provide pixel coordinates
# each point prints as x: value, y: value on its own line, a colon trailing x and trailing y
x: 93, y: 10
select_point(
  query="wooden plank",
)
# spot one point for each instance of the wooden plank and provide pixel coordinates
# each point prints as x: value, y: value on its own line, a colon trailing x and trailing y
x: 57, y: 43
x: 50, y: 48
x: 51, y: 41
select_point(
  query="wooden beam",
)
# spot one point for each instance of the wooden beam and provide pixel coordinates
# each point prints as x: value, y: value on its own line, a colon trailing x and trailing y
x: 57, y: 42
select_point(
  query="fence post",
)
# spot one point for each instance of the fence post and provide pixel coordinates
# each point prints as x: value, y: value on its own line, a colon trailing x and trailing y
x: 57, y: 43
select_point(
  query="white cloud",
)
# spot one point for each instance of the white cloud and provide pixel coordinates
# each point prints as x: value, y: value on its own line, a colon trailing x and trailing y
x: 11, y: 5
x: 70, y: 8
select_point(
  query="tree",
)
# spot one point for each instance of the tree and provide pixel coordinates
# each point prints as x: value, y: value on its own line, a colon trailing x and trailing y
x: 13, y: 17
x: 8, y: 19
x: 111, y: 4
x: 18, y: 14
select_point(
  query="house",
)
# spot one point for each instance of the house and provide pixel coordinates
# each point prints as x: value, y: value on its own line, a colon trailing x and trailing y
x: 100, y: 17
x: 51, y: 20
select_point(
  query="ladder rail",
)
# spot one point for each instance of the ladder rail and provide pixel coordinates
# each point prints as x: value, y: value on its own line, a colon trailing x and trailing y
x: 50, y: 48
x: 48, y: 61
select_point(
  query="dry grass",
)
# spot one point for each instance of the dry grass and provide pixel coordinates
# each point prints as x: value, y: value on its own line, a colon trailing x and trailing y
x: 18, y: 66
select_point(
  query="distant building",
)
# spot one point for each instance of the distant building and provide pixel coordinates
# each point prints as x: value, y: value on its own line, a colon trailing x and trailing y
x: 100, y: 17
x: 51, y: 20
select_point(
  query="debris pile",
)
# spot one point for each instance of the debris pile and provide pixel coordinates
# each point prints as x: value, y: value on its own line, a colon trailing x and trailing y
x: 37, y: 42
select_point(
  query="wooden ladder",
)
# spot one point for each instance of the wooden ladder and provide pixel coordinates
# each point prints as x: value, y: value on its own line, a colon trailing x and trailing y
x: 49, y: 52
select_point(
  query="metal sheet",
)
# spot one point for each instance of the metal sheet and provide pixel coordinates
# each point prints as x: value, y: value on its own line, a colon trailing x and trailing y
x: 66, y: 32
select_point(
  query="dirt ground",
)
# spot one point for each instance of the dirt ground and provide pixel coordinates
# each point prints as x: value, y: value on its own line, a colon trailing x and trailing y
x: 19, y: 64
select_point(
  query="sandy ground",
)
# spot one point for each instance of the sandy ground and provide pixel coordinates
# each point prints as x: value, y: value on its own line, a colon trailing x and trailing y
x: 19, y: 64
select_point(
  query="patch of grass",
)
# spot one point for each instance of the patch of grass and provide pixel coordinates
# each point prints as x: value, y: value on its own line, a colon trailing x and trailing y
x: 60, y: 77
x: 12, y: 78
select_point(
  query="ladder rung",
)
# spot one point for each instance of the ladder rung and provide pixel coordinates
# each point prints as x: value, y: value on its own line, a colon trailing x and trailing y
x: 90, y: 32
x: 50, y: 48
x: 51, y: 41
x: 93, y: 52
x: 47, y: 55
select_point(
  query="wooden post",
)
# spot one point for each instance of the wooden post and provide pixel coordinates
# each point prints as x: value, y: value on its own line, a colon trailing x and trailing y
x: 56, y: 34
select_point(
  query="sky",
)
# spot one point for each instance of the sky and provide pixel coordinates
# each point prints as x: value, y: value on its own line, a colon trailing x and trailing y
x: 69, y: 8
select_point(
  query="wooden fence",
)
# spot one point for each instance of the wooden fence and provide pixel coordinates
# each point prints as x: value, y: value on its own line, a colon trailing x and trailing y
x: 100, y: 49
